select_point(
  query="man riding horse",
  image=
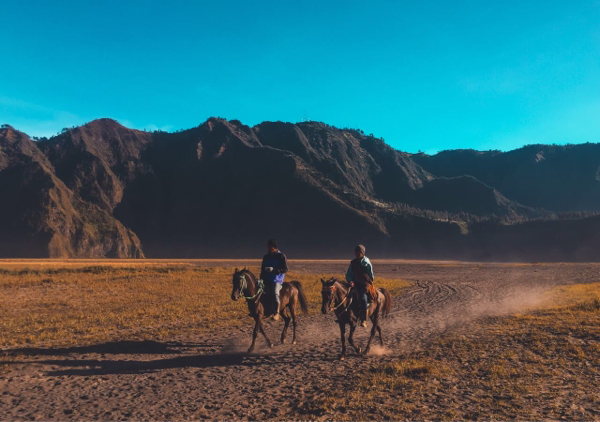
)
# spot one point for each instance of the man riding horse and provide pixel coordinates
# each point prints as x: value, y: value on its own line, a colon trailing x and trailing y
x: 272, y: 272
x: 338, y: 296
x: 360, y: 277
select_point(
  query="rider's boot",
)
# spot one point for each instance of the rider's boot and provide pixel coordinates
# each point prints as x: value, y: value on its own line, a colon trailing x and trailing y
x: 364, y: 318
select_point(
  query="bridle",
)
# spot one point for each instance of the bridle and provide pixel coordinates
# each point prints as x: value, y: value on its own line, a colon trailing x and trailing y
x: 330, y: 290
x: 244, y: 284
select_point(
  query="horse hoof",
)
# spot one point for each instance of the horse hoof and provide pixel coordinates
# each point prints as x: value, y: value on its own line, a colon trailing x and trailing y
x: 271, y: 345
x: 342, y: 357
x: 282, y: 341
x: 250, y: 350
x: 294, y: 342
x: 360, y: 350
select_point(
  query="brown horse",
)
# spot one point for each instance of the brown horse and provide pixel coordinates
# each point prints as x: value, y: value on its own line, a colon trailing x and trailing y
x: 246, y: 286
x: 347, y: 309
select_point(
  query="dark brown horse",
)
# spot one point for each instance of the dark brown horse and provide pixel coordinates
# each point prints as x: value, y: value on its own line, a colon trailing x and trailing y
x: 347, y: 309
x: 246, y: 286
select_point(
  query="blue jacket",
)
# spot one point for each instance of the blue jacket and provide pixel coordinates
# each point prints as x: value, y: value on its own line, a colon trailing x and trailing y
x: 278, y: 261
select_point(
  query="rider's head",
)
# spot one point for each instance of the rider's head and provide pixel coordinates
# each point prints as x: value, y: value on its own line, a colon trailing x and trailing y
x: 360, y: 251
x: 272, y: 245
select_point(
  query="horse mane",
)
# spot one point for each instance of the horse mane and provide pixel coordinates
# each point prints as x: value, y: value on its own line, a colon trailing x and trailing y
x: 334, y: 280
x: 246, y: 271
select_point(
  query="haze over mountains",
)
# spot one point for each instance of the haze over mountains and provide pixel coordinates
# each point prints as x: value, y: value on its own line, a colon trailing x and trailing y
x: 222, y: 188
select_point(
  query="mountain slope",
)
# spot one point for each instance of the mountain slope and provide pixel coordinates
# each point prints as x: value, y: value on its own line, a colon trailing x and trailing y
x: 558, y: 178
x: 216, y: 188
x: 97, y: 160
x: 366, y: 167
x: 42, y: 217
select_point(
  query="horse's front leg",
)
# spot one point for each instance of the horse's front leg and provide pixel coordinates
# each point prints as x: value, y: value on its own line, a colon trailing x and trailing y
x: 262, y: 330
x: 351, y: 338
x: 254, y: 333
x: 343, y: 335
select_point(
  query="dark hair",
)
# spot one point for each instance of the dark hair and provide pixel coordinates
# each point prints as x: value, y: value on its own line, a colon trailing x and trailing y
x: 272, y: 243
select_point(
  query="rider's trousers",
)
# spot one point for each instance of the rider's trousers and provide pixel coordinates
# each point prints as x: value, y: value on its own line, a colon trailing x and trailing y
x: 364, y: 300
x: 276, y: 288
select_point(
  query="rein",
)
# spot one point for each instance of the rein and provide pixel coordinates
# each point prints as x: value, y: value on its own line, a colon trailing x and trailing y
x: 244, y: 284
x: 331, y: 290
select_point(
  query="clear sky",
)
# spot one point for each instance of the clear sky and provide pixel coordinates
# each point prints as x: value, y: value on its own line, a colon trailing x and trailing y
x: 425, y: 75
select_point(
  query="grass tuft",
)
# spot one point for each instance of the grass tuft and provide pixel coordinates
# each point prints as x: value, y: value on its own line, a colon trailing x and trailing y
x: 410, y: 369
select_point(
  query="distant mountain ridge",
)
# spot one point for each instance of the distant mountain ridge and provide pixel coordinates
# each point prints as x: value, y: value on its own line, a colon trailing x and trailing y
x: 222, y: 188
x: 555, y: 177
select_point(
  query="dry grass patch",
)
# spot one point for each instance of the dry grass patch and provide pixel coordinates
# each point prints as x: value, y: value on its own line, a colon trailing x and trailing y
x: 74, y: 305
x: 540, y: 365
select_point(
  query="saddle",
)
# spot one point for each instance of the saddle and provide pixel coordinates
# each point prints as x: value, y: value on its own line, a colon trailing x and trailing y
x: 372, y: 291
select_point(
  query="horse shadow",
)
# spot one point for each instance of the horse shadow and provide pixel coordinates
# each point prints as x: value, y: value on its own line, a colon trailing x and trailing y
x: 89, y: 367
x: 147, y: 347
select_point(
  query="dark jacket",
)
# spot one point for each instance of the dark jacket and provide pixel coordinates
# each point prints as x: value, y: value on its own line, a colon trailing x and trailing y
x: 360, y: 272
x: 278, y: 261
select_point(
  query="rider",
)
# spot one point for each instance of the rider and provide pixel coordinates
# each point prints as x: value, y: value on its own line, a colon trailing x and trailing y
x: 359, y: 275
x: 272, y: 271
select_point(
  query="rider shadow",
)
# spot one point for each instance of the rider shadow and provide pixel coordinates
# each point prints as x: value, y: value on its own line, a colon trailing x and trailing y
x: 145, y: 347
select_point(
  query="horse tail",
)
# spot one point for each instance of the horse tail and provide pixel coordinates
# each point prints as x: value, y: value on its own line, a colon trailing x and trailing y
x: 301, y: 296
x: 387, y: 305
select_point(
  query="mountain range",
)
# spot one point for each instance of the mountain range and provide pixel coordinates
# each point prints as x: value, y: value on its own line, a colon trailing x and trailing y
x: 223, y: 188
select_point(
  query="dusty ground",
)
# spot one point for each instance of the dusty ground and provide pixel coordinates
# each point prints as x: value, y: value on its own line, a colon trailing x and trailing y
x: 201, y: 376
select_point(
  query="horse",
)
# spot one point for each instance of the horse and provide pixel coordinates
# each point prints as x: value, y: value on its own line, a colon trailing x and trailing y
x: 347, y: 309
x: 246, y: 286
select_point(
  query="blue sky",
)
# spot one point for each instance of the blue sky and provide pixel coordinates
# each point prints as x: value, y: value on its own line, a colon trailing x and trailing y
x: 425, y: 75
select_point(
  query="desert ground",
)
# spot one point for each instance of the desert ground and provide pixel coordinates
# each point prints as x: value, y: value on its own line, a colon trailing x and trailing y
x: 163, y: 340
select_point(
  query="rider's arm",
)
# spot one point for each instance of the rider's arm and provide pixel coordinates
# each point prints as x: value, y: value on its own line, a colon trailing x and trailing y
x: 283, y: 268
x: 349, y: 274
x: 368, y: 267
x: 262, y: 269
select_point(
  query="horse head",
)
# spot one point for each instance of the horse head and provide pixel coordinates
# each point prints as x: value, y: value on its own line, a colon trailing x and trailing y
x: 328, y: 294
x: 239, y: 281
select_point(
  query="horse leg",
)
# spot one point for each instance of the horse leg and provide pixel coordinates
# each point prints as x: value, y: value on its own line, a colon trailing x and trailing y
x: 293, y: 314
x: 262, y: 330
x: 343, y: 334
x: 286, y: 321
x: 351, y: 338
x: 374, y: 319
x: 254, y: 334
x: 379, y: 331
